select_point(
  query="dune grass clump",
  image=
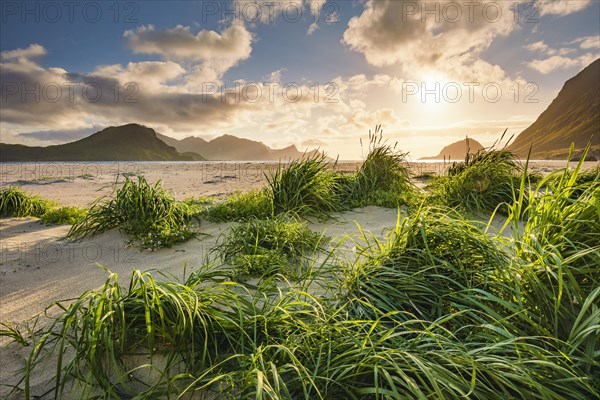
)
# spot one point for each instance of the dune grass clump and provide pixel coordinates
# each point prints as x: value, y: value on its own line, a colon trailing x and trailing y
x: 199, y: 204
x: 427, y: 265
x: 558, y: 249
x: 63, y: 216
x: 583, y: 179
x: 266, y: 247
x: 384, y: 177
x: 482, y: 183
x: 109, y: 326
x: 14, y: 202
x: 304, y: 187
x: 147, y: 213
x: 241, y: 207
x: 307, y: 187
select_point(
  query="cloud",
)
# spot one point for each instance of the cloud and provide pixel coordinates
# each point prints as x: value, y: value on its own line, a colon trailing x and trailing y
x: 553, y: 63
x: 156, y: 93
x: 59, y: 136
x: 362, y: 119
x: 588, y: 48
x: 210, y: 53
x: 588, y: 42
x: 313, y: 143
x: 543, y: 48
x: 180, y: 43
x: 33, y: 51
x: 562, y: 7
x: 268, y: 11
x: 53, y: 98
x: 446, y: 36
x: 312, y: 28
x: 146, y: 73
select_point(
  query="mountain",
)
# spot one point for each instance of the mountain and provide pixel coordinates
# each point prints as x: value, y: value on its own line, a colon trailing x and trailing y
x: 457, y: 151
x: 573, y: 116
x: 228, y: 147
x: 130, y: 142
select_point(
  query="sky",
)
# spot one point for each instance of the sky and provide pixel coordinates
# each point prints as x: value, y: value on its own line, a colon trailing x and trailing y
x: 314, y: 73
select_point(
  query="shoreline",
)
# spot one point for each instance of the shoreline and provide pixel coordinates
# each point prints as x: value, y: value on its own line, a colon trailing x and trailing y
x: 79, y: 184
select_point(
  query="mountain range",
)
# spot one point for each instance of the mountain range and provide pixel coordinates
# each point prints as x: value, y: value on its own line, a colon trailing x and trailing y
x: 131, y: 142
x: 228, y: 147
x: 134, y: 142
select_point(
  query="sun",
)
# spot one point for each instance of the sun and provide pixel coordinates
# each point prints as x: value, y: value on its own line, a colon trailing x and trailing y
x: 433, y: 90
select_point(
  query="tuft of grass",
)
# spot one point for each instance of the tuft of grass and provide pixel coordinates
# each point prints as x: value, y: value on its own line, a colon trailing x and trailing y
x: 199, y: 205
x: 304, y: 187
x: 63, y: 216
x: 385, y: 168
x: 266, y: 247
x: 14, y: 202
x: 424, y: 268
x: 199, y: 201
x: 147, y: 213
x: 558, y: 249
x: 482, y: 183
x: 241, y: 207
x: 383, y: 179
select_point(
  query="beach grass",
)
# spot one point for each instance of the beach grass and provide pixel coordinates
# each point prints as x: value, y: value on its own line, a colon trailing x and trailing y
x: 68, y: 215
x: 260, y: 248
x: 15, y: 202
x: 304, y: 187
x: 147, y: 213
x: 484, y: 182
x: 241, y: 207
x: 383, y: 179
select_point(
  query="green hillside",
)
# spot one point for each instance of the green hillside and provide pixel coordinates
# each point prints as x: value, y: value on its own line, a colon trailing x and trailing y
x: 130, y: 142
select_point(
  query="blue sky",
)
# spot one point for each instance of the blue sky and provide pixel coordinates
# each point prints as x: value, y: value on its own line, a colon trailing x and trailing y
x: 428, y: 71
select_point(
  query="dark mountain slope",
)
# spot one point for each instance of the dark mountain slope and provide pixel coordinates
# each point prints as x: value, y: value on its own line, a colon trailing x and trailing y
x: 130, y: 142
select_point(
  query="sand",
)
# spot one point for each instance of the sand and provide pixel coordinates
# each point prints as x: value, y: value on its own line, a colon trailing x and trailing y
x: 37, y: 267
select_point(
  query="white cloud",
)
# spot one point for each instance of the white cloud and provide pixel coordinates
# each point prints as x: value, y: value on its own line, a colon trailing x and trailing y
x: 111, y: 94
x: 362, y: 119
x: 449, y: 39
x: 275, y: 76
x: 180, y: 43
x: 543, y: 48
x: 539, y: 46
x: 146, y: 73
x: 312, y: 28
x: 588, y: 42
x: 557, y: 58
x: 34, y: 50
x: 553, y: 63
x: 211, y: 53
x: 562, y: 7
x: 156, y: 93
